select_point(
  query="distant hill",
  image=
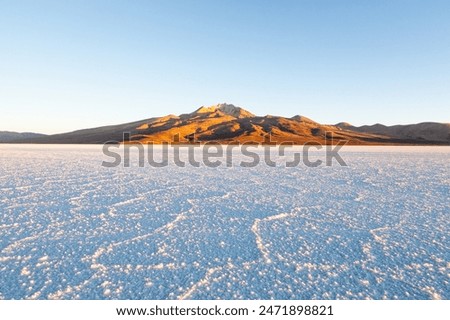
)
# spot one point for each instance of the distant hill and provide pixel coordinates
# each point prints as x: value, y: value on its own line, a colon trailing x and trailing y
x: 9, y: 136
x: 426, y: 131
x: 98, y: 135
x: 226, y: 123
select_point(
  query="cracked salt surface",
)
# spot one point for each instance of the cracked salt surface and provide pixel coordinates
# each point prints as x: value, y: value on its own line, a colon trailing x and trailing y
x: 377, y: 229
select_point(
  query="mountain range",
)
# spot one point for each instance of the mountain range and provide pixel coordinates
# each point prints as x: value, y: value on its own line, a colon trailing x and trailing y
x: 226, y: 123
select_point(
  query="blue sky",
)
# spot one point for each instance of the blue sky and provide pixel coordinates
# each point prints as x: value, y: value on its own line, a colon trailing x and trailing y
x: 66, y: 65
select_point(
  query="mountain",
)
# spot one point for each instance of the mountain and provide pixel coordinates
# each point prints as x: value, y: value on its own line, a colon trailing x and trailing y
x: 229, y: 124
x: 10, y: 136
x: 426, y: 131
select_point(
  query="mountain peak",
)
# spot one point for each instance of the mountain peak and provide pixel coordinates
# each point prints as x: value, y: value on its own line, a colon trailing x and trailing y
x: 226, y: 108
x: 343, y: 125
x: 300, y: 118
x: 204, y: 109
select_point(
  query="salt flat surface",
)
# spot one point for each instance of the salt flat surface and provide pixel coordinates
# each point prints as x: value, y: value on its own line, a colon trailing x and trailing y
x: 72, y: 229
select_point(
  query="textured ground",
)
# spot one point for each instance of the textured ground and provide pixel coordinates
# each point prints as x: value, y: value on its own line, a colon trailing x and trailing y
x: 71, y: 229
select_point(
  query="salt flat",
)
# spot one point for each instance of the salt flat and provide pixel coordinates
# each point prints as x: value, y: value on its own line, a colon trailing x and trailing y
x: 72, y: 229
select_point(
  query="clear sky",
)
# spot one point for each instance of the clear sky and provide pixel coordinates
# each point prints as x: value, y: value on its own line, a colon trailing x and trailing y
x: 67, y: 65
